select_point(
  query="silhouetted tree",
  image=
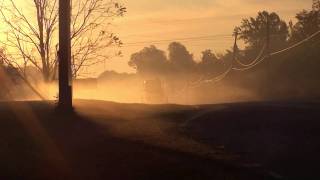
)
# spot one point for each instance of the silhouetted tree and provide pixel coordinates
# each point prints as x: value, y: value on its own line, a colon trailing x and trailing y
x: 316, y: 5
x: 253, y: 30
x: 210, y: 64
x: 180, y: 58
x: 149, y: 61
x: 115, y: 76
x: 8, y: 77
x: 208, y: 57
x: 297, y: 73
x: 32, y: 36
x: 307, y: 24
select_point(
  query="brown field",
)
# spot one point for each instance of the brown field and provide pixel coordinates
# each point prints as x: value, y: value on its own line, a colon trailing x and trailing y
x: 105, y: 140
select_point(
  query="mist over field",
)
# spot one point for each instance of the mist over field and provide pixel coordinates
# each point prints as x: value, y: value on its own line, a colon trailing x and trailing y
x: 268, y: 55
x: 159, y: 89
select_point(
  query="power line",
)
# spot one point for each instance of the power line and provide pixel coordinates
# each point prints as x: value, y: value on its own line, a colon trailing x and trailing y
x: 246, y: 67
x: 257, y: 61
x: 279, y: 52
x: 295, y: 45
x: 250, y: 67
x: 216, y: 37
x: 195, y: 43
x: 210, y: 37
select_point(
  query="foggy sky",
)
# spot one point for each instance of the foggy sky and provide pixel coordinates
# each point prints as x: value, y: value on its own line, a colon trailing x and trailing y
x: 153, y: 20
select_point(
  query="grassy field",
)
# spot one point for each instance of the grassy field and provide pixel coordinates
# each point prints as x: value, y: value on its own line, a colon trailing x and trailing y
x: 105, y: 140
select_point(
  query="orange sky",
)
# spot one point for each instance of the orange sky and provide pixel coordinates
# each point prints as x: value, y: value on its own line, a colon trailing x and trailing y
x: 154, y: 20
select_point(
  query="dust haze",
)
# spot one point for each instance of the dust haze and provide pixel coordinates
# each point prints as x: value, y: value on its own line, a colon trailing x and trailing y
x: 271, y: 59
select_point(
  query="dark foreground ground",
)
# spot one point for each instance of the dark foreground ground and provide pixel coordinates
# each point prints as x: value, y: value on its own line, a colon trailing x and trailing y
x: 104, y: 140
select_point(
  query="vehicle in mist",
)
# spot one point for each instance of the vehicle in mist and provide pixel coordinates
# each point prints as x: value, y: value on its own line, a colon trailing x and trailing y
x: 154, y: 91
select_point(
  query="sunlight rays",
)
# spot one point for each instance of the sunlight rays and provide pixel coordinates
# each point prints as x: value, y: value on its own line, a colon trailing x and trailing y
x: 29, y: 120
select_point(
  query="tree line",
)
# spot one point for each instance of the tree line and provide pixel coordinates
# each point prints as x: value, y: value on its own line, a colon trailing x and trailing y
x: 296, y: 70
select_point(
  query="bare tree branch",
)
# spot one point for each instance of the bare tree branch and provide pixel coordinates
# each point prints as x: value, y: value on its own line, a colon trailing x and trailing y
x: 33, y: 40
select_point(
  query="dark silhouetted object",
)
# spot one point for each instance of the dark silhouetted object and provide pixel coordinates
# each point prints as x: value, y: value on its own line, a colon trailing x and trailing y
x: 65, y: 80
x: 154, y: 92
x: 253, y: 32
x: 150, y: 61
x: 180, y: 58
x: 235, y: 46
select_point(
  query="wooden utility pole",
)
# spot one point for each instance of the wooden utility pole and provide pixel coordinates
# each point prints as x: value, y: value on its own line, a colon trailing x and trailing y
x: 65, y: 79
x: 235, y: 46
x: 268, y: 70
x: 268, y: 35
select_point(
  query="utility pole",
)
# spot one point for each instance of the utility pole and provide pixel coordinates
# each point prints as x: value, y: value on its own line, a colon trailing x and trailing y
x: 268, y: 35
x: 65, y: 79
x: 268, y: 71
x: 235, y: 46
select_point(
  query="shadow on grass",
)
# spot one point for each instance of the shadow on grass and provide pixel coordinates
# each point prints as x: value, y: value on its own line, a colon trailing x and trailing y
x: 71, y: 146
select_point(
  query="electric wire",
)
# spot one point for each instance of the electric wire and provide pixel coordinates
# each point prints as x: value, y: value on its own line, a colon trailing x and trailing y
x: 258, y: 60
